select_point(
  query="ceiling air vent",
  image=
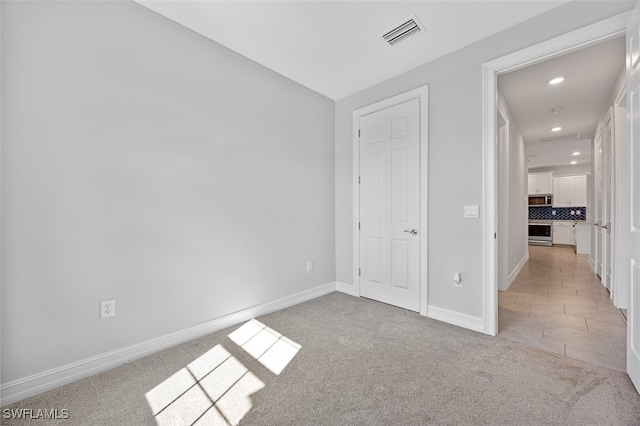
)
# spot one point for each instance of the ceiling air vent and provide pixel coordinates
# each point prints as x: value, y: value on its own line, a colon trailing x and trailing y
x: 564, y: 137
x: 408, y: 28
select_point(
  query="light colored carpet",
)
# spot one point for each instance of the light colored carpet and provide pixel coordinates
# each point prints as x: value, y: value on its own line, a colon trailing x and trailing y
x: 359, y: 363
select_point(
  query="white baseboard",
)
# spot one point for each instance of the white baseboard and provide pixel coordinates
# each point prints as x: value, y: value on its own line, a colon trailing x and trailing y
x: 32, y: 385
x: 516, y: 271
x: 592, y: 265
x: 349, y: 289
x: 456, y: 318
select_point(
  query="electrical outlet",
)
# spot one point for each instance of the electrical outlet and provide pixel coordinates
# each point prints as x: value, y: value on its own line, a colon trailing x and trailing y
x: 457, y: 280
x: 107, y: 308
x: 309, y: 265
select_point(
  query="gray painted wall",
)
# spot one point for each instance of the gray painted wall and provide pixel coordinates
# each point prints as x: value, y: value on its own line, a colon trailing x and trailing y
x: 512, y: 177
x: 518, y: 191
x: 455, y: 151
x: 145, y: 163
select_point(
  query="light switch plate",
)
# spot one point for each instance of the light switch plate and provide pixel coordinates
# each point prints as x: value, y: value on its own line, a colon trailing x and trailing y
x: 471, y: 212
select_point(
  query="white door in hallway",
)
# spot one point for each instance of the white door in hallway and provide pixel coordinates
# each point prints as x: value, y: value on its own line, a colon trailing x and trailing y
x: 622, y: 208
x: 607, y: 200
x: 390, y: 205
x: 633, y: 96
x: 597, y: 183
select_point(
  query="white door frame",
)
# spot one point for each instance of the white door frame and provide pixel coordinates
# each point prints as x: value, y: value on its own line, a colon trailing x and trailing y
x: 592, y: 34
x: 420, y: 93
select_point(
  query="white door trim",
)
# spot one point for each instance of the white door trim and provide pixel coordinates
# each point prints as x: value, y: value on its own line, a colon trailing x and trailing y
x: 595, y: 33
x: 420, y: 93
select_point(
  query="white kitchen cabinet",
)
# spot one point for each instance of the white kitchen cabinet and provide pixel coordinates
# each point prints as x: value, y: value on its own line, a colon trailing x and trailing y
x: 540, y: 183
x: 570, y: 191
x: 564, y: 233
x: 561, y: 192
x: 578, y: 190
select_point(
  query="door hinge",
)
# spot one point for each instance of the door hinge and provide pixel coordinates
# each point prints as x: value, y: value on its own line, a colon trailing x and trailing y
x: 358, y: 179
x: 358, y: 132
x: 358, y: 225
x: 359, y: 272
x: 495, y: 235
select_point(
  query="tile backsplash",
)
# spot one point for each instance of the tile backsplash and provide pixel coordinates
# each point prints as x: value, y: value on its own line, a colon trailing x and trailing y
x: 561, y: 213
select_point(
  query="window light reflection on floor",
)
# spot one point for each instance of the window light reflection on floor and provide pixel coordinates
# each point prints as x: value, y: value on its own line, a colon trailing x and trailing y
x: 270, y: 348
x: 216, y: 388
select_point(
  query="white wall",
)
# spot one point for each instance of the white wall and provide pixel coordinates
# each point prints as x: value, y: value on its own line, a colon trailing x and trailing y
x: 455, y: 151
x: 518, y: 191
x: 578, y: 169
x: 145, y: 163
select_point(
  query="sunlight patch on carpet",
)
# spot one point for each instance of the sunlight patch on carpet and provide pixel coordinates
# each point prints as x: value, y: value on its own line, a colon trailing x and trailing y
x: 267, y: 346
x: 216, y: 388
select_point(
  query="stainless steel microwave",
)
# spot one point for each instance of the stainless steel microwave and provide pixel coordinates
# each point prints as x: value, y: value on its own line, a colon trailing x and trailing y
x: 539, y: 200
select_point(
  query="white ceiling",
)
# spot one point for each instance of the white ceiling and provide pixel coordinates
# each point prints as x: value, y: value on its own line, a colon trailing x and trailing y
x: 590, y: 77
x: 335, y: 47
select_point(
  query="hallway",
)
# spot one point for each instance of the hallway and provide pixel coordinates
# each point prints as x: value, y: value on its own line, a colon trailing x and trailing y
x: 557, y: 304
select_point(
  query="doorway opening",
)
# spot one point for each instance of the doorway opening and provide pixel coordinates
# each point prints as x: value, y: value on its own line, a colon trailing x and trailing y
x: 495, y: 190
x: 552, y: 299
x: 571, y: 42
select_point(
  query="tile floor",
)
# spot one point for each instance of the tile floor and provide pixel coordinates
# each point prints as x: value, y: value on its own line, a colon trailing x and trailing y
x: 557, y: 304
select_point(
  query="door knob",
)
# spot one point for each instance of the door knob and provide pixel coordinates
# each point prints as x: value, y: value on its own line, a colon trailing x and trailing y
x: 605, y: 227
x: 412, y: 231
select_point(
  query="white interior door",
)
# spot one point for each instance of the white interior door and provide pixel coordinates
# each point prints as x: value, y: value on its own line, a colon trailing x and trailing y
x: 390, y: 205
x: 622, y: 207
x: 597, y: 184
x: 633, y: 81
x: 607, y: 200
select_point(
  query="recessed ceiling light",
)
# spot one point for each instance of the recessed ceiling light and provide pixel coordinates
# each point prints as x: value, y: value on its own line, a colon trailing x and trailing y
x: 556, y: 129
x: 556, y: 110
x: 576, y: 153
x: 556, y: 80
x: 574, y: 162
